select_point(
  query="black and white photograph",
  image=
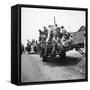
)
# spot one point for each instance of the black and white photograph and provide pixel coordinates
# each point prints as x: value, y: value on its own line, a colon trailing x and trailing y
x: 53, y: 44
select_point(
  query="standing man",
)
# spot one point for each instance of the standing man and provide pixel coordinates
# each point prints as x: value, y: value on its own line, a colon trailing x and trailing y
x: 45, y: 31
x: 28, y: 47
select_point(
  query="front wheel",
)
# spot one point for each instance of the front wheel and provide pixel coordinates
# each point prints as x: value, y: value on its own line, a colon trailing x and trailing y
x: 44, y: 58
x: 63, y: 54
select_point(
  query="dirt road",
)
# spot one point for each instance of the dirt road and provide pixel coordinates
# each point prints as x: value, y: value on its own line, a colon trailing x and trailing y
x: 34, y: 70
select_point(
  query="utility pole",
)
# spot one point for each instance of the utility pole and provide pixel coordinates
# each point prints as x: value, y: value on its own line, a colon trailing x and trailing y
x: 54, y: 21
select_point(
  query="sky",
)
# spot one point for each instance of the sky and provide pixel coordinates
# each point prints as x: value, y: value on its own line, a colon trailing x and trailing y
x: 33, y: 19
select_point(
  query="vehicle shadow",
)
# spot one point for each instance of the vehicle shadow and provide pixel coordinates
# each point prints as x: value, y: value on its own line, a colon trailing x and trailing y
x: 57, y: 61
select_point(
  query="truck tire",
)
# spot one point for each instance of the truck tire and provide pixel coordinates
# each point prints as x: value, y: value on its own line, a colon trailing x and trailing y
x: 63, y: 54
x: 44, y: 58
x: 53, y: 55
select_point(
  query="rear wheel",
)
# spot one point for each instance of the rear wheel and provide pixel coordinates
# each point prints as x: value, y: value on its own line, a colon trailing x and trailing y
x: 53, y: 55
x: 42, y: 54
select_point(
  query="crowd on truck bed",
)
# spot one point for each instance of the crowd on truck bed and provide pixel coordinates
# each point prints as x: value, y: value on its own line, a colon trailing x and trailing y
x: 54, y: 40
x: 52, y: 35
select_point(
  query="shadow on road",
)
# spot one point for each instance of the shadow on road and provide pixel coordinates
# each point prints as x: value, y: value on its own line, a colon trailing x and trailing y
x: 57, y: 61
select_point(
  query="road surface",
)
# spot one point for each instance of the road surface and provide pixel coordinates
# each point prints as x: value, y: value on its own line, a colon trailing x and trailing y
x: 33, y: 69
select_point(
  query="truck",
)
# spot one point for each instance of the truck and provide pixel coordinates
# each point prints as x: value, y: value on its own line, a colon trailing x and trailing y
x: 64, y: 42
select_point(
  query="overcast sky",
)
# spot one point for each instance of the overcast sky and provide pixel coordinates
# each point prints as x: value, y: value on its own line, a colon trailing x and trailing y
x: 33, y: 19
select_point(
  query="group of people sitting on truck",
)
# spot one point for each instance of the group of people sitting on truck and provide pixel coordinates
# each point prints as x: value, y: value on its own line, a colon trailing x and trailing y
x: 56, y: 36
x: 54, y: 33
